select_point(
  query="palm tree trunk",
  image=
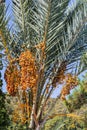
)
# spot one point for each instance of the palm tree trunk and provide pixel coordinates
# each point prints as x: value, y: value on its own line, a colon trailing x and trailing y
x: 38, y: 127
x: 32, y: 116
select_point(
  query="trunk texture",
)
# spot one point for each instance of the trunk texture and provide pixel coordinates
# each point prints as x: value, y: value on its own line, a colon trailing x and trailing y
x: 38, y: 127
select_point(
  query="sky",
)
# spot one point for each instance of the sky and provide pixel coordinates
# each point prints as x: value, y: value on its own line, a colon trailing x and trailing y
x: 8, y: 2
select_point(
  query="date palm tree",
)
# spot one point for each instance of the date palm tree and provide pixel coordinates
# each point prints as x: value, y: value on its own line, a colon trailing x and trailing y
x: 57, y: 25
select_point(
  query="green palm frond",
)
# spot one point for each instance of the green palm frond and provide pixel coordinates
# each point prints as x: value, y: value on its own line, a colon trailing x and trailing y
x: 1, y: 22
x: 71, y: 45
x: 22, y: 12
x: 4, y: 32
x: 73, y: 26
x: 77, y: 50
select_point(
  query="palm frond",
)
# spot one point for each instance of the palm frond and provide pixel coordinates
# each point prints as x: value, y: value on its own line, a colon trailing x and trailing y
x: 2, y: 17
x: 77, y: 50
x: 70, y: 34
x: 4, y: 32
x: 22, y: 12
x: 49, y: 22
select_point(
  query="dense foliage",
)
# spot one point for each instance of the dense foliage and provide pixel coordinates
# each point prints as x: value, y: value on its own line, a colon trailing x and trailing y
x: 4, y: 118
